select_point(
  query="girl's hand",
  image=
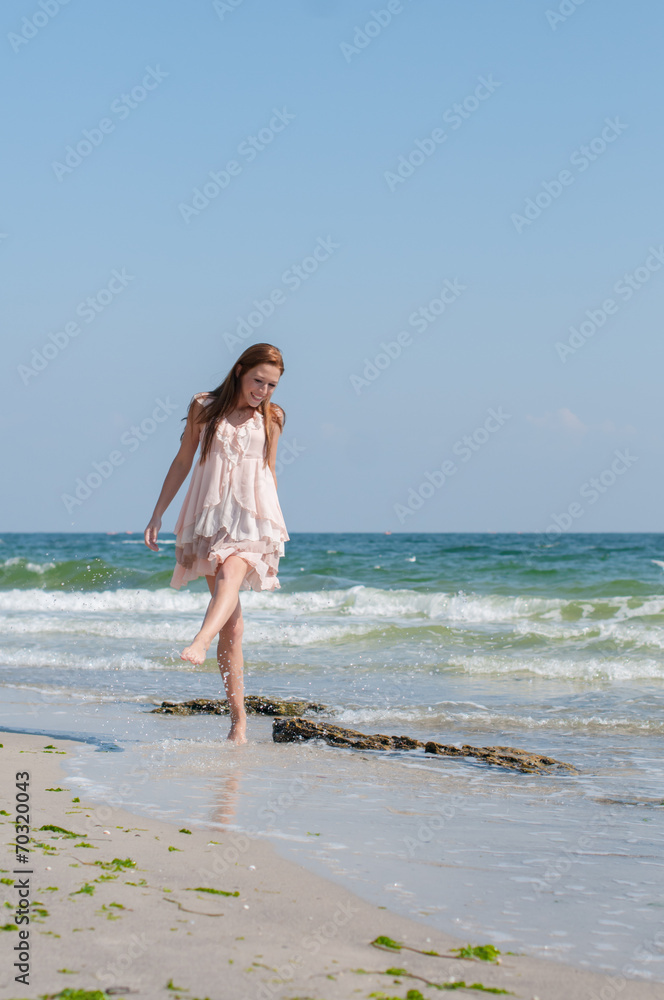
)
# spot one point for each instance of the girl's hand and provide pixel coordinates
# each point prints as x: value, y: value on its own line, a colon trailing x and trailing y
x: 151, y: 532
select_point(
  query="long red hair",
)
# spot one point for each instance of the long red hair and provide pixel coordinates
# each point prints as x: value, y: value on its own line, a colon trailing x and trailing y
x: 226, y: 394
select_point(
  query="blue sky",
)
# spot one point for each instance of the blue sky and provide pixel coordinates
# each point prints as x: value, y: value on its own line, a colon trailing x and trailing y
x: 463, y: 249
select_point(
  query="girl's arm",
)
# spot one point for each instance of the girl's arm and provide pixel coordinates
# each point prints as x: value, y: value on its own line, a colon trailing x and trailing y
x: 272, y: 454
x: 176, y: 475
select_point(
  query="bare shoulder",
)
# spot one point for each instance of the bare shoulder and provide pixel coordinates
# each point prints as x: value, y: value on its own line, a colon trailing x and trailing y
x: 199, y: 402
x: 202, y: 398
x: 278, y: 416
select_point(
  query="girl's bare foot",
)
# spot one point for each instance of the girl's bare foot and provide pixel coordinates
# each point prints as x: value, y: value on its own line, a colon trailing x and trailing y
x: 196, y: 653
x: 238, y: 730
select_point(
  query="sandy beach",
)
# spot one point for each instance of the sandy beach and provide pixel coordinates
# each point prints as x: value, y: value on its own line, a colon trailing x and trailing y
x: 121, y: 904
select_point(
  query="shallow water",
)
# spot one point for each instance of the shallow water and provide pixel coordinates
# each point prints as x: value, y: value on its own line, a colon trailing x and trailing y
x: 555, y: 647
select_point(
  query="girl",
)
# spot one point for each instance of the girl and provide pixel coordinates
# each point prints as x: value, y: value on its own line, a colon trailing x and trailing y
x: 230, y: 529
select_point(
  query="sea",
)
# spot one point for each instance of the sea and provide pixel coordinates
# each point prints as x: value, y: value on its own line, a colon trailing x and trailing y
x: 550, y: 644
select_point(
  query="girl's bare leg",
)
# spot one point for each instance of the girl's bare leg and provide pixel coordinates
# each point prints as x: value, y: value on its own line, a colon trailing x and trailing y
x: 231, y: 662
x: 224, y: 599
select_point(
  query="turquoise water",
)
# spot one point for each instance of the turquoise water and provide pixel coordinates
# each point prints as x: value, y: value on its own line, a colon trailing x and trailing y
x: 554, y: 645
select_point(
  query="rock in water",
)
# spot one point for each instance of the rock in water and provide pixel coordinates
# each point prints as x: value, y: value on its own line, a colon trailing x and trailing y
x: 294, y: 730
x: 520, y: 760
x: 253, y: 704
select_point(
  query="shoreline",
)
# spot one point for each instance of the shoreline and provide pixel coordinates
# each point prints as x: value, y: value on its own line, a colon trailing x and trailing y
x: 272, y: 929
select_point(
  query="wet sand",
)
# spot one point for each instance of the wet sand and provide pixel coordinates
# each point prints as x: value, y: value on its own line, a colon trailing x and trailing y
x: 125, y: 906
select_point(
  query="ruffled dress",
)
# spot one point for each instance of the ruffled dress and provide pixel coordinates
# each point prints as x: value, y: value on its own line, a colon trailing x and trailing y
x: 231, y: 508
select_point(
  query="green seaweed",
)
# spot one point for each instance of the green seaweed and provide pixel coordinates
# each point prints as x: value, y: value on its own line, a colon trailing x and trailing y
x: 410, y: 995
x: 56, y: 789
x: 87, y: 889
x: 175, y: 848
x: 385, y: 942
x: 452, y: 985
x: 105, y: 910
x: 7, y: 881
x: 485, y: 952
x: 482, y: 952
x: 184, y: 830
x: 461, y: 985
x: 69, y: 994
x: 216, y: 892
x: 76, y: 799
x: 60, y: 829
x: 9, y: 927
x: 116, y: 865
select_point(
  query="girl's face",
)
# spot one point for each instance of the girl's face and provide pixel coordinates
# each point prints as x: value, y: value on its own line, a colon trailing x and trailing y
x: 258, y: 384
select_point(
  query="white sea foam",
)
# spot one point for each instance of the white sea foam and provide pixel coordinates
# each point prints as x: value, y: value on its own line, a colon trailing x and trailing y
x: 90, y: 602
x: 623, y: 633
x: 357, y: 601
x: 29, y: 657
x: 310, y: 618
x: 55, y: 695
x: 549, y: 643
x: 446, y: 713
x: 586, y: 668
x: 33, y: 567
x: 180, y: 628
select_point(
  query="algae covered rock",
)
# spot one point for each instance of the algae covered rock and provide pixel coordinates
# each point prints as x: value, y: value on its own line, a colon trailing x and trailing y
x: 253, y: 704
x: 519, y: 760
x: 295, y: 730
x: 303, y: 729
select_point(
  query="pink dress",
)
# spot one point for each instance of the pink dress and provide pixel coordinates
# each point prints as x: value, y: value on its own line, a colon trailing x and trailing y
x: 231, y: 508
